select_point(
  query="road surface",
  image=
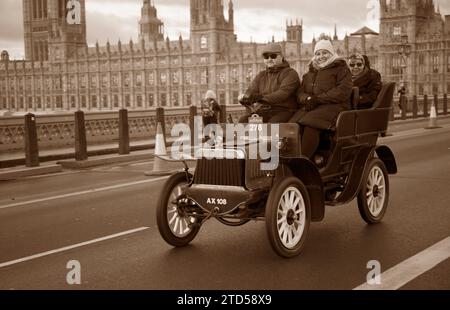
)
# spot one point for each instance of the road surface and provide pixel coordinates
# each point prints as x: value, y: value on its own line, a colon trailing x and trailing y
x: 104, y: 218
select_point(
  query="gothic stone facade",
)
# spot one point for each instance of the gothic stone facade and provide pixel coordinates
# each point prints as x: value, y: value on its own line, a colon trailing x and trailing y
x: 62, y: 73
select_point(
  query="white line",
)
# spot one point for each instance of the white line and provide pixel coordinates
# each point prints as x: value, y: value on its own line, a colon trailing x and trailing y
x: 412, y: 132
x: 142, y: 163
x: 24, y: 259
x: 90, y: 191
x: 399, y: 275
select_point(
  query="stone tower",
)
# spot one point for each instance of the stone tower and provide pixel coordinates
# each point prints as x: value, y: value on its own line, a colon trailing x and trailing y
x: 53, y: 29
x: 294, y: 32
x: 402, y: 20
x: 151, y: 28
x: 210, y: 31
x: 404, y: 17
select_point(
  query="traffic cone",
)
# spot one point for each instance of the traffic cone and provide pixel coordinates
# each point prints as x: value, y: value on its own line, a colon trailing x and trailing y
x: 432, y: 124
x: 160, y: 166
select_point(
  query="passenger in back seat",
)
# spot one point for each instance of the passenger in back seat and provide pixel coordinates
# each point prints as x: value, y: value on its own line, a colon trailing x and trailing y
x: 324, y: 92
x: 366, y: 79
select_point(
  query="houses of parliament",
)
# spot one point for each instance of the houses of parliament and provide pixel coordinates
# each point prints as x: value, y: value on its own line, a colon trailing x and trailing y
x: 61, y: 73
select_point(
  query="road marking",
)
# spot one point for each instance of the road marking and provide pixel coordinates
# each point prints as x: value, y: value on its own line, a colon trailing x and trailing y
x: 57, y: 174
x: 413, y: 132
x: 142, y: 163
x: 70, y: 247
x: 399, y: 275
x: 90, y: 191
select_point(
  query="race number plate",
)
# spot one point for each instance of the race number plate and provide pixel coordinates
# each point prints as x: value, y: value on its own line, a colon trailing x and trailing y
x: 255, y: 119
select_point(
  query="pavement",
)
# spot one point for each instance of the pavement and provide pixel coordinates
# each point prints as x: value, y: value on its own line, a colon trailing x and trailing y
x: 144, y: 150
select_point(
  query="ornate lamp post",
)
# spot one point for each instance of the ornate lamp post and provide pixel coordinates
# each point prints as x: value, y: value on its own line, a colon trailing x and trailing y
x: 404, y: 50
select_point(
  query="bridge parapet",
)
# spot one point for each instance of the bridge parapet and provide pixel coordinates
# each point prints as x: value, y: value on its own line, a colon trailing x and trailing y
x: 58, y: 130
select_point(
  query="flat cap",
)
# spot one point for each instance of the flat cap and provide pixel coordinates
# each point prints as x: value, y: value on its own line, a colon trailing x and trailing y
x: 272, y: 48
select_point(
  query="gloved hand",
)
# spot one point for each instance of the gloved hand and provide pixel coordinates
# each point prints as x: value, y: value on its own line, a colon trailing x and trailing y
x: 311, y: 103
x: 257, y: 98
x: 259, y: 107
x: 244, y: 99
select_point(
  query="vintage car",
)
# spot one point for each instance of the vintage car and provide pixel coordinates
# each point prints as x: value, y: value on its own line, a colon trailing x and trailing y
x: 234, y: 191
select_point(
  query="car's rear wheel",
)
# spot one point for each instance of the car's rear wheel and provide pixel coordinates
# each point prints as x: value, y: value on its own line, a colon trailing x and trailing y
x: 373, y: 196
x: 288, y: 217
x: 176, y: 227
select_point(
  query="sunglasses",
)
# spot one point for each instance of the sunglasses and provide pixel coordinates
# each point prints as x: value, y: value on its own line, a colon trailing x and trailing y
x: 271, y: 56
x: 359, y: 65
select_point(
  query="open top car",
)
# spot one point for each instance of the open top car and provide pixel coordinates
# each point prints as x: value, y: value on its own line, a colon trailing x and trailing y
x: 236, y: 190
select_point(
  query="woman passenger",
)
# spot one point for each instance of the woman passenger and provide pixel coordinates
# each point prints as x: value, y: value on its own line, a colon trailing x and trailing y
x: 325, y: 91
x: 366, y: 79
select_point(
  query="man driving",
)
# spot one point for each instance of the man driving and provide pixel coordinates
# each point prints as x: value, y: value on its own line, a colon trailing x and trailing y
x: 273, y: 90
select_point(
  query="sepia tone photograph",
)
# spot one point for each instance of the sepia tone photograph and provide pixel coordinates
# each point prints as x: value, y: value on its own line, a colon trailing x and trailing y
x: 224, y: 145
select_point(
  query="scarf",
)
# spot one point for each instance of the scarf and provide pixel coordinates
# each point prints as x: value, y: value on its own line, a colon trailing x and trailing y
x: 364, y: 72
x: 332, y: 59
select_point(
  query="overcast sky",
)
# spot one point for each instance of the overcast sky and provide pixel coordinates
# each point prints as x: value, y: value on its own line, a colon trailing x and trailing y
x: 255, y: 20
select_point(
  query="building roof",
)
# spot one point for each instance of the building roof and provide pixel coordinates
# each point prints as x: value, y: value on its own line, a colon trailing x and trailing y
x: 364, y: 31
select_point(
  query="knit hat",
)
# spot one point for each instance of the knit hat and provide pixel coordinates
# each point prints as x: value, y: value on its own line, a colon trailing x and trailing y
x: 272, y: 48
x: 210, y: 94
x: 355, y: 57
x: 324, y: 45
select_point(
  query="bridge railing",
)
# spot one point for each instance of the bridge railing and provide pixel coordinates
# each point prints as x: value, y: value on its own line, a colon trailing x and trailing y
x: 411, y: 107
x: 57, y: 131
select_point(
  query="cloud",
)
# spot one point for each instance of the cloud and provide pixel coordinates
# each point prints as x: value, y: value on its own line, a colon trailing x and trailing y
x: 11, y: 20
x: 254, y: 19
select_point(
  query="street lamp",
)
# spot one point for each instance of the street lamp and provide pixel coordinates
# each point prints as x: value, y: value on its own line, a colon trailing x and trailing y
x: 404, y: 50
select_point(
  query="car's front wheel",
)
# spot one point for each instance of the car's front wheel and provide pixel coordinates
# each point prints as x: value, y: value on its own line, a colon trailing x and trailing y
x: 288, y: 216
x: 175, y: 226
x: 373, y: 196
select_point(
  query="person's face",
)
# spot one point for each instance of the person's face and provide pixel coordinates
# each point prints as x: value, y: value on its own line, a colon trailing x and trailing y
x: 272, y: 59
x: 322, y: 56
x: 356, y: 66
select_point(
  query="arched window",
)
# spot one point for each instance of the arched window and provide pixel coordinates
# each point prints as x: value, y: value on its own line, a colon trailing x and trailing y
x: 203, y: 42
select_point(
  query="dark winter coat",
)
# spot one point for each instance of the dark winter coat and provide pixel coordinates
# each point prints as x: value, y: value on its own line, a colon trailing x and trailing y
x: 278, y: 86
x: 210, y: 111
x: 332, y: 86
x: 369, y: 86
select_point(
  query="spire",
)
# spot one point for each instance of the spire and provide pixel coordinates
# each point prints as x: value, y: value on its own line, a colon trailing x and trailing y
x: 230, y: 13
x: 131, y: 44
x: 150, y: 25
x: 335, y: 37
